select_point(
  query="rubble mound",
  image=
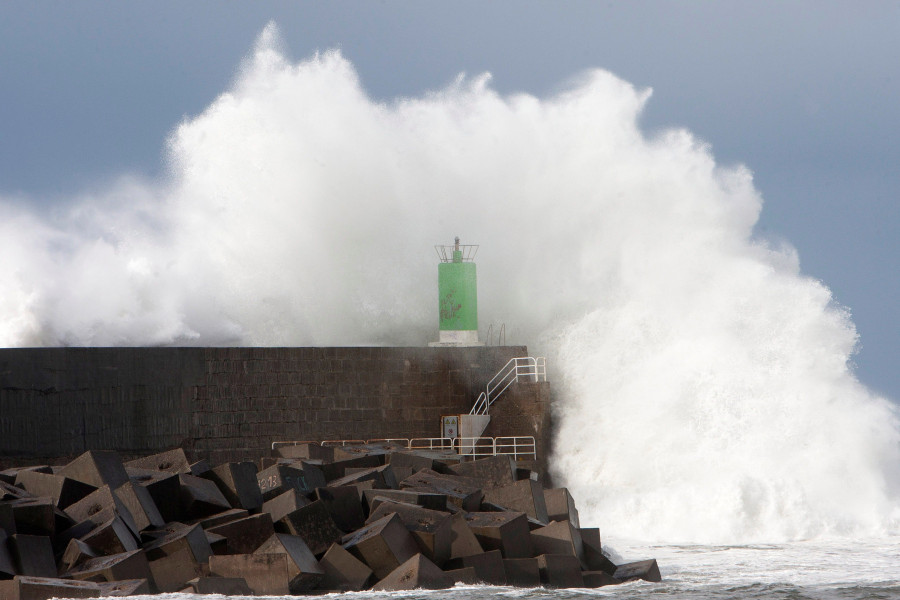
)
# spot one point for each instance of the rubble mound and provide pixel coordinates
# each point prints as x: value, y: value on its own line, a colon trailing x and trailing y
x: 306, y: 520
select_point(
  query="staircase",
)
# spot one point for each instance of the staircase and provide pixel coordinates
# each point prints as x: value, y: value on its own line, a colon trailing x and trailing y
x: 528, y: 368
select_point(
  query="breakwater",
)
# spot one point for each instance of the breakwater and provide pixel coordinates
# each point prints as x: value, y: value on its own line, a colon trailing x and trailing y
x: 231, y: 404
x: 354, y: 518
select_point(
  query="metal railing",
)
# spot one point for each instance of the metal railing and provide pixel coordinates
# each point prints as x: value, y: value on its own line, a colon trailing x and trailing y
x: 501, y: 335
x: 519, y: 447
x: 401, y: 441
x: 533, y: 368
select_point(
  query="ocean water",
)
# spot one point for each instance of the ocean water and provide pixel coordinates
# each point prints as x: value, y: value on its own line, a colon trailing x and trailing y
x: 706, y: 400
x: 833, y: 570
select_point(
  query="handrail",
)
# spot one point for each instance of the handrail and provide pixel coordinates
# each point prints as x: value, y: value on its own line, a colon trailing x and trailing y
x: 527, y: 447
x: 519, y: 367
x: 343, y: 442
x: 474, y: 447
x: 441, y: 443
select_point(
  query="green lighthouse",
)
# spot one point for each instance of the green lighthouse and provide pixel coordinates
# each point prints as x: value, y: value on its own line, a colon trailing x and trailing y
x: 457, y: 295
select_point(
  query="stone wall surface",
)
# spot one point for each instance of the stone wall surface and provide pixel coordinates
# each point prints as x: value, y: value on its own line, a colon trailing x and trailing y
x: 232, y: 403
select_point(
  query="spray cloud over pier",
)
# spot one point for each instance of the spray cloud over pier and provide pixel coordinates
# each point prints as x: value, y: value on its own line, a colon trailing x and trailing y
x: 705, y: 384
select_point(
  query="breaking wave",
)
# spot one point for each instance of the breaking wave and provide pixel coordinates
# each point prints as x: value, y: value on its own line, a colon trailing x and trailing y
x: 705, y: 390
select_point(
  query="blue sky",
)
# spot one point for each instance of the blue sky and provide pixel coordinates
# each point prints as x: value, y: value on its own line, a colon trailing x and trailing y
x: 806, y: 94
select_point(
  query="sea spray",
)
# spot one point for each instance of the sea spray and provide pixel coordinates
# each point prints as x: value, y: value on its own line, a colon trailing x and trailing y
x: 703, y: 382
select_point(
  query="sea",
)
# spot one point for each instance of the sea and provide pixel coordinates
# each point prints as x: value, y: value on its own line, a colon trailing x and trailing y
x: 836, y: 569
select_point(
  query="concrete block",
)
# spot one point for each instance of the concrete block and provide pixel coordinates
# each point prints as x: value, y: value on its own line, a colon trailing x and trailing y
x: 245, y: 535
x: 344, y: 506
x: 34, y: 516
x: 594, y: 558
x: 490, y: 472
x: 303, y: 569
x: 218, y: 543
x: 560, y: 571
x: 561, y: 506
x: 421, y: 459
x: 647, y: 570
x: 461, y: 491
x: 416, y: 573
x: 382, y: 477
x: 10, y: 492
x: 7, y: 520
x: 226, y: 586
x: 415, y: 461
x: 335, y: 470
x: 164, y: 488
x: 178, y: 556
x: 32, y: 555
x: 179, y: 537
x: 314, y: 524
x: 504, y: 531
x: 488, y: 566
x: 286, y: 503
x: 110, y: 537
x: 306, y: 451
x: 526, y: 496
x: 221, y: 518
x: 559, y: 537
x: 595, y: 579
x: 98, y: 507
x: 237, y: 482
x: 522, y: 572
x: 267, y: 461
x: 382, y: 545
x: 76, y: 552
x: 401, y: 473
x: 361, y: 487
x: 431, y: 529
x: 526, y: 473
x: 97, y: 468
x: 172, y: 572
x: 314, y: 474
x: 62, y: 490
x: 200, y: 467
x: 140, y: 505
x: 200, y: 497
x: 429, y: 500
x: 61, y: 540
x: 7, y: 564
x: 170, y: 461
x: 591, y: 536
x: 343, y: 571
x: 128, y: 587
x: 280, y: 478
x: 128, y: 565
x: 465, y: 576
x: 265, y: 574
x: 9, y: 475
x: 46, y: 588
x: 462, y: 540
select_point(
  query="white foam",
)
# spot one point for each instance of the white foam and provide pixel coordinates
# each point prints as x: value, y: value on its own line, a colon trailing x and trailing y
x: 704, y: 383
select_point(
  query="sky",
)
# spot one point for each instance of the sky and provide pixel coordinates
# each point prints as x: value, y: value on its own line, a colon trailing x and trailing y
x: 805, y: 94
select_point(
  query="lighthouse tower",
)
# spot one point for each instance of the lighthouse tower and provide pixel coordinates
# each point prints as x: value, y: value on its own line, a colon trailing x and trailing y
x: 457, y: 295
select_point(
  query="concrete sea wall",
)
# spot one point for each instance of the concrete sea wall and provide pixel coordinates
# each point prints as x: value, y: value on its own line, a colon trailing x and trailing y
x: 226, y: 404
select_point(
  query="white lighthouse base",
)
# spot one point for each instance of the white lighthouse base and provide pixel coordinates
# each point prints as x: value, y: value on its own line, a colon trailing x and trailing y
x: 457, y: 338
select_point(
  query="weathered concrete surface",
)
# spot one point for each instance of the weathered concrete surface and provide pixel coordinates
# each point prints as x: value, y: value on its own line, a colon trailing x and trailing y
x: 387, y: 542
x: 416, y: 573
x: 230, y: 404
